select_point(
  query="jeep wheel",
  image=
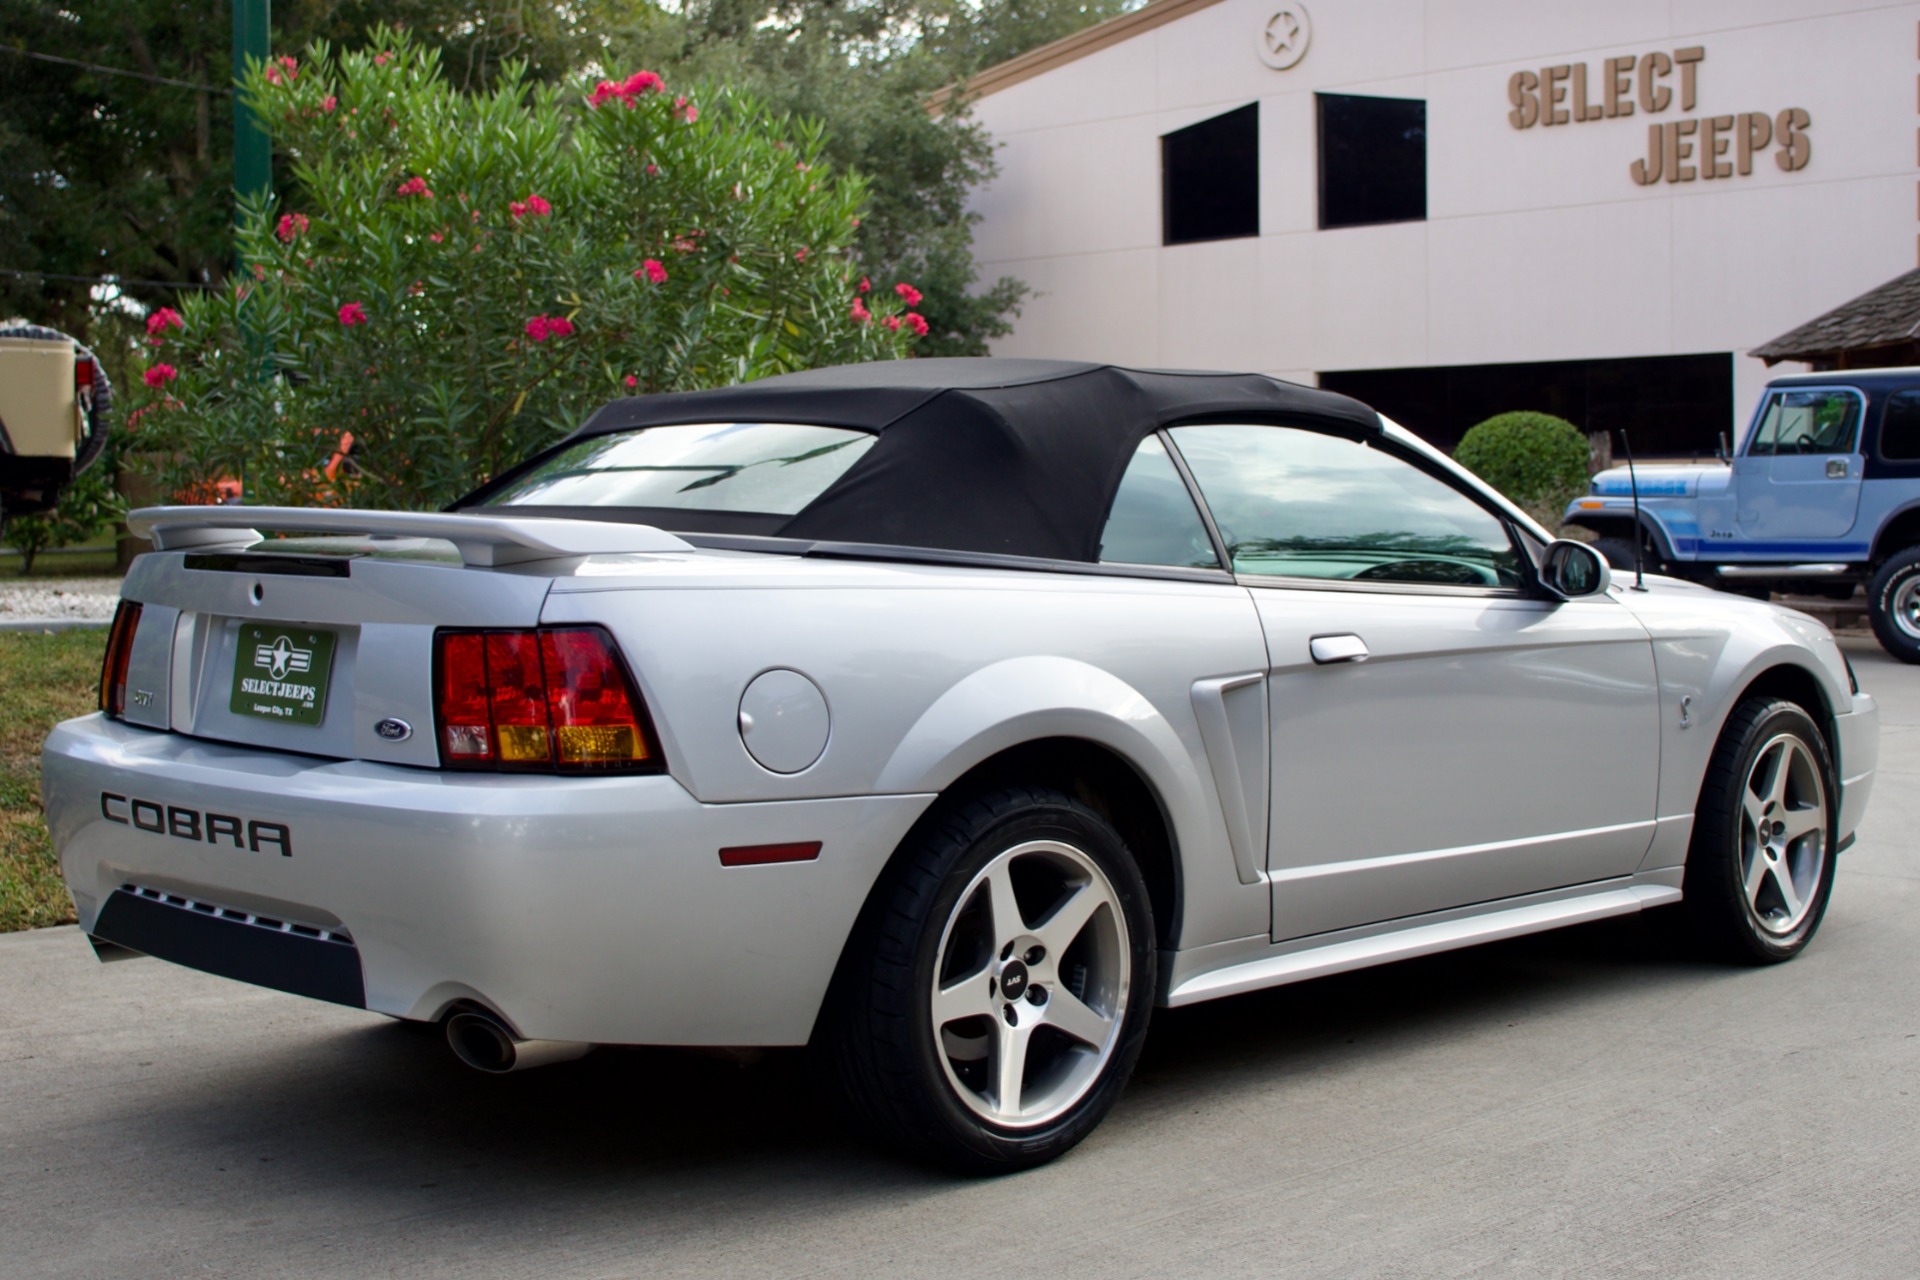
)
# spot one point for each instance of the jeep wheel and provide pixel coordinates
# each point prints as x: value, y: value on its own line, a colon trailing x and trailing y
x: 1893, y: 604
x: 1618, y: 553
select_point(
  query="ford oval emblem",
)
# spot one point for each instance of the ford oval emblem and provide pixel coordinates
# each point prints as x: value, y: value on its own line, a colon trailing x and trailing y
x: 394, y: 729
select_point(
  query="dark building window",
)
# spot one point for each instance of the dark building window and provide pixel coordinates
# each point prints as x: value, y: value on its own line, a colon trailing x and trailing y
x: 1671, y: 406
x: 1210, y: 179
x: 1373, y: 160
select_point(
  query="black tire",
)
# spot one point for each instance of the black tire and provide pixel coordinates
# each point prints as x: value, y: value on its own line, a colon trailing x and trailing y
x: 1724, y: 917
x: 1618, y: 553
x: 1893, y: 605
x: 875, y: 1049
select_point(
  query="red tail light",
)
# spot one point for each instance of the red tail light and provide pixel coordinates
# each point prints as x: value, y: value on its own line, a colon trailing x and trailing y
x: 555, y: 698
x: 113, y: 669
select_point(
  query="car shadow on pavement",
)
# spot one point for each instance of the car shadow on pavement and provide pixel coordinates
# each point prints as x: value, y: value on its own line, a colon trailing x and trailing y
x: 386, y: 1109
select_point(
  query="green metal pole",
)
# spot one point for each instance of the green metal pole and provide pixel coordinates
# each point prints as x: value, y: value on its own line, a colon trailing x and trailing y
x: 252, y: 149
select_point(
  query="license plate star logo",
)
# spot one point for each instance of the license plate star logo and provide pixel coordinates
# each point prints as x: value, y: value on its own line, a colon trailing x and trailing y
x: 281, y: 656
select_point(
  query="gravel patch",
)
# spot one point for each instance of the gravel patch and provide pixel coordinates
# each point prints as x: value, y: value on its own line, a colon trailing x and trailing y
x: 64, y: 599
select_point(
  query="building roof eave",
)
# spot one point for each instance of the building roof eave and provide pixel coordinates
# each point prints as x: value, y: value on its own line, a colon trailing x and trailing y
x: 1067, y: 49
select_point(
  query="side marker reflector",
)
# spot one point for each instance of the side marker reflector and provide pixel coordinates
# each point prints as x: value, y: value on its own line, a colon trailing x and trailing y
x: 759, y: 855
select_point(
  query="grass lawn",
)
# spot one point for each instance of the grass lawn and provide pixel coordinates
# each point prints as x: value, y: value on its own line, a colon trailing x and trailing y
x: 43, y: 679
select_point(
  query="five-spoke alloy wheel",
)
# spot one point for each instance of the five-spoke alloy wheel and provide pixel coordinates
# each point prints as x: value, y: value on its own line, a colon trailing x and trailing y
x: 996, y: 993
x: 1029, y: 1010
x: 1760, y: 868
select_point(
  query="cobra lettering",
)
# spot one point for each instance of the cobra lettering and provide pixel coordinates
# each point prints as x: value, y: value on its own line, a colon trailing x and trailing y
x: 182, y: 823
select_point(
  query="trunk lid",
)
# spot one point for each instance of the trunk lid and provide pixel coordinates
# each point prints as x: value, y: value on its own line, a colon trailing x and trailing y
x: 325, y: 645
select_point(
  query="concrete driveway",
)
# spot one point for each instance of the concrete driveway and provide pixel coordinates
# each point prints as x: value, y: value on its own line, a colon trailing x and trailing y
x: 1591, y: 1103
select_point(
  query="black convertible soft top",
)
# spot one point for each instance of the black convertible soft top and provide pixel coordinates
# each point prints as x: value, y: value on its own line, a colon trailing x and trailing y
x: 1002, y: 456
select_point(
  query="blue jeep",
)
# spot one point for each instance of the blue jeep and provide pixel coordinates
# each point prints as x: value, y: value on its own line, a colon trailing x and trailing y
x: 1823, y: 495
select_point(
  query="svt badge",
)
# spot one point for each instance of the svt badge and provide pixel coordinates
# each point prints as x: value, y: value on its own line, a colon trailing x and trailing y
x: 281, y: 673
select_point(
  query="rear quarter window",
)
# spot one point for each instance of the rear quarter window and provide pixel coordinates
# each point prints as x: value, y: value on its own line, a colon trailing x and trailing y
x: 1900, y: 427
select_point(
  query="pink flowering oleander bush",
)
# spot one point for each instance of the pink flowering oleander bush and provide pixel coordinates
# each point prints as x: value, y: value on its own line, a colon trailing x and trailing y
x: 458, y: 280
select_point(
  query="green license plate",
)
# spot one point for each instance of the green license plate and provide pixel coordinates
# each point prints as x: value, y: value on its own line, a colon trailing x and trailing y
x: 280, y: 673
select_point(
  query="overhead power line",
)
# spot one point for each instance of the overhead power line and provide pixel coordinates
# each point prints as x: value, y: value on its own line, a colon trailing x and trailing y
x: 113, y: 71
x: 154, y: 284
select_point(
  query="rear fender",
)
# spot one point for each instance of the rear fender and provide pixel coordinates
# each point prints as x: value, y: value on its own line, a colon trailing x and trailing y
x: 1030, y: 698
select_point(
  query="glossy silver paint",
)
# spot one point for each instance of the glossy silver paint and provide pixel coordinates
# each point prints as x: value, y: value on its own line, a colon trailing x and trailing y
x: 1495, y: 765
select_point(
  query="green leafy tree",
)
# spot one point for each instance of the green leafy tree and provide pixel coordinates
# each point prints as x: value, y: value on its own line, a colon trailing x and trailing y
x: 458, y: 278
x: 868, y: 71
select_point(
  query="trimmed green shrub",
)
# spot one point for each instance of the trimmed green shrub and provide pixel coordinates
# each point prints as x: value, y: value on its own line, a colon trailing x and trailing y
x: 1536, y: 459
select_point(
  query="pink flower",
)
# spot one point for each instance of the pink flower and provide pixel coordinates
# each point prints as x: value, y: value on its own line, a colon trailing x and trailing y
x: 892, y: 322
x: 908, y: 294
x: 652, y: 270
x: 859, y: 312
x: 415, y: 186
x: 352, y: 314
x: 329, y: 102
x: 537, y: 328
x: 435, y: 236
x: 632, y: 381
x: 273, y: 75
x: 163, y: 319
x: 160, y: 375
x: 692, y: 113
x: 864, y: 285
x: 292, y: 67
x: 291, y: 225
x: 799, y: 255
x: 531, y: 205
x: 601, y: 92
x: 559, y: 326
x: 685, y: 246
x: 916, y: 322
x: 381, y: 59
x: 652, y: 169
x: 642, y: 82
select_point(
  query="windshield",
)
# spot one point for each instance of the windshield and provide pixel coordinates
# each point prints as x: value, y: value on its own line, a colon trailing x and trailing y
x: 767, y: 468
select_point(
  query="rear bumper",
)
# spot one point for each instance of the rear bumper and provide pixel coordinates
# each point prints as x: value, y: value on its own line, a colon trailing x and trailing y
x: 1859, y: 734
x: 576, y: 908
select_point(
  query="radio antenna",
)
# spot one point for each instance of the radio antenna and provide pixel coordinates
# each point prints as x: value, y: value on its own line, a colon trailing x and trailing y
x: 1639, y: 537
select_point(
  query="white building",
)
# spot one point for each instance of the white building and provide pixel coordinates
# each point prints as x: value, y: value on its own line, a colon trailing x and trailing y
x: 1636, y: 191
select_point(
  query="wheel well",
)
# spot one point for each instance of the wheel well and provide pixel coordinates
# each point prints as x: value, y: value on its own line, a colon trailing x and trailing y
x: 1897, y: 535
x: 1112, y: 787
x: 1622, y: 527
x: 1798, y: 686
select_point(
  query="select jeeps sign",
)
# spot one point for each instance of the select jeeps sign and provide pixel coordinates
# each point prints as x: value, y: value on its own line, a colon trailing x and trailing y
x: 280, y: 673
x: 1704, y: 147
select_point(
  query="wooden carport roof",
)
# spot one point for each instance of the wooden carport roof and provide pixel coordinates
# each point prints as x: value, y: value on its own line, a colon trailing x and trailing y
x: 1880, y: 327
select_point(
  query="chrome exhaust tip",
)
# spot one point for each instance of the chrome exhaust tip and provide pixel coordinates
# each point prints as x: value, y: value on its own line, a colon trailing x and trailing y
x: 485, y: 1043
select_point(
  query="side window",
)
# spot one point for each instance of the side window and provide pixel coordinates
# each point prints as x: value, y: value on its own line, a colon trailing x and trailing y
x: 1806, y: 422
x: 1900, y: 427
x: 1305, y: 505
x: 1153, y: 520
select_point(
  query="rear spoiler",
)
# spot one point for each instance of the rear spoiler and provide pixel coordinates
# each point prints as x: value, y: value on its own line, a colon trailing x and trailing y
x: 483, y: 541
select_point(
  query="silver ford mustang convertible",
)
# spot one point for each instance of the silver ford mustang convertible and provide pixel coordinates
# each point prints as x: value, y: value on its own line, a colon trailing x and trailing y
x: 944, y: 716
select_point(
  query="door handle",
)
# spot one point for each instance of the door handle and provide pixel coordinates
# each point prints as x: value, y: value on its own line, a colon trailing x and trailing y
x: 1836, y: 468
x: 1343, y: 648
